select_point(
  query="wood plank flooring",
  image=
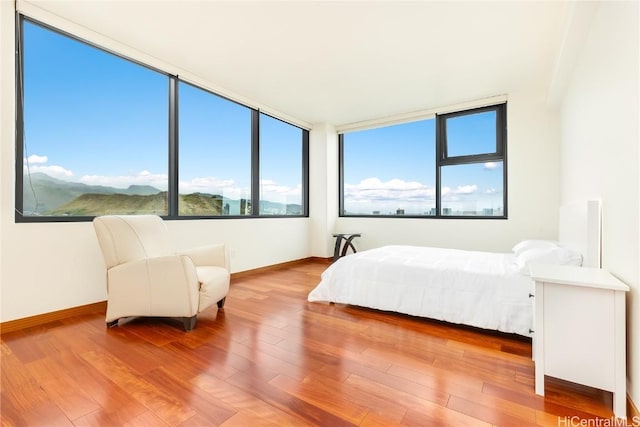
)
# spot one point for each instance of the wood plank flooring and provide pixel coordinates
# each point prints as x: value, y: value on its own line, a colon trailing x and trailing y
x: 272, y: 358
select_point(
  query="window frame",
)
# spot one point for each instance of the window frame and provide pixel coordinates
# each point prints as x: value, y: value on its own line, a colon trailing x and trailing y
x: 173, y: 82
x: 442, y: 159
x: 304, y: 179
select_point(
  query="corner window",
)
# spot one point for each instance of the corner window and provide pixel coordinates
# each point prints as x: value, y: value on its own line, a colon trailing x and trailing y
x: 94, y: 130
x: 450, y: 166
x: 100, y: 134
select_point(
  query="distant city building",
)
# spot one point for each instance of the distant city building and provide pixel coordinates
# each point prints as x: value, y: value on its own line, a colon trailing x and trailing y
x: 400, y: 212
x: 376, y: 212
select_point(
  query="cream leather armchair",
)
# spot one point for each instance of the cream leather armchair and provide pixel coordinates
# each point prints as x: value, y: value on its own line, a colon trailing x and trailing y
x: 146, y: 278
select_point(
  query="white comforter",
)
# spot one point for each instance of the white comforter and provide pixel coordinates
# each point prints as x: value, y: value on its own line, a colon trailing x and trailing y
x: 481, y: 289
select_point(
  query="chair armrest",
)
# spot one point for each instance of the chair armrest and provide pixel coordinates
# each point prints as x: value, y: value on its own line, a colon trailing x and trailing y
x: 162, y: 286
x: 210, y: 255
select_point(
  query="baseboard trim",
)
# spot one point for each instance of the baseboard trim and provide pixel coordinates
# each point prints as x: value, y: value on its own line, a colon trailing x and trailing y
x: 40, y: 319
x: 280, y: 266
x: 632, y: 412
x: 101, y: 307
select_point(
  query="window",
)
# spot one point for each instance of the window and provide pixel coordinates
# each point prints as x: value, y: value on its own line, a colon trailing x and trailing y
x: 281, y: 188
x: 100, y: 134
x: 472, y: 162
x: 214, y: 154
x: 389, y: 170
x: 95, y: 130
x: 453, y: 165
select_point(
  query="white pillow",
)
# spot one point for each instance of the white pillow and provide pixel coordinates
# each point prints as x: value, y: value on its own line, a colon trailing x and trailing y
x: 525, y: 245
x: 555, y: 255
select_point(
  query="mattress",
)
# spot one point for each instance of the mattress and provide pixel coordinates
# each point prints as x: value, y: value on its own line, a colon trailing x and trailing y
x: 481, y: 289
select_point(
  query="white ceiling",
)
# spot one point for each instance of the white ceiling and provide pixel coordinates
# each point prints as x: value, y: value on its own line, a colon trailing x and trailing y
x: 344, y: 61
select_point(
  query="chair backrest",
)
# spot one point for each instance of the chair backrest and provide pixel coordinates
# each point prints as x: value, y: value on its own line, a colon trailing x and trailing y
x: 125, y: 238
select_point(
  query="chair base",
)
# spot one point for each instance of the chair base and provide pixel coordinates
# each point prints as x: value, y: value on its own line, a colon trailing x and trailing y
x: 221, y: 302
x: 189, y: 323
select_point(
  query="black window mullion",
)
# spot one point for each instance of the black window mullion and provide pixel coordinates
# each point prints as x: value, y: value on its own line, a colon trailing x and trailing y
x: 19, y: 119
x: 172, y: 194
x: 478, y: 158
x: 341, y: 175
x: 255, y: 163
x: 305, y: 172
x: 502, y: 142
x: 438, y: 162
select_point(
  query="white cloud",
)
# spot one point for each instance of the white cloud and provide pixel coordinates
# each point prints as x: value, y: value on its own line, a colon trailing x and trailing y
x: 272, y: 191
x: 35, y: 159
x: 490, y: 165
x: 211, y: 185
x: 394, y: 189
x: 372, y: 195
x: 158, y: 181
x: 385, y: 197
x: 207, y: 184
x: 466, y: 189
x: 35, y: 163
x: 53, y: 171
x: 460, y: 190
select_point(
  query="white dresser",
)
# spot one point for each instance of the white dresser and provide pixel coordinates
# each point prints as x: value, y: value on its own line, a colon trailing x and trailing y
x: 580, y: 329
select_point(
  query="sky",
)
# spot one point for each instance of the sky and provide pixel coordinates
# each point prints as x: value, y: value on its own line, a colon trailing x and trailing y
x: 95, y: 118
x: 394, y: 167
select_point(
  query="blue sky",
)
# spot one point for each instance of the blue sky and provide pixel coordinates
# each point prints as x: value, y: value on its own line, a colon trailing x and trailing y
x: 393, y: 167
x: 95, y: 118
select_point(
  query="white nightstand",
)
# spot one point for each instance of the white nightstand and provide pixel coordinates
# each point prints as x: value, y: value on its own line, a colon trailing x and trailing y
x: 580, y: 329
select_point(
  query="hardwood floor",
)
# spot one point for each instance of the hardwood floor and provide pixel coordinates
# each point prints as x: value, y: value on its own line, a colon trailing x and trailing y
x: 271, y: 358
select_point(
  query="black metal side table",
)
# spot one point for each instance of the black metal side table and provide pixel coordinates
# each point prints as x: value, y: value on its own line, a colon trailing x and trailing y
x: 347, y: 238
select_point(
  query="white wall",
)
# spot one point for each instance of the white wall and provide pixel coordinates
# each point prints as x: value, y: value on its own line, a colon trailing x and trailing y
x: 599, y: 149
x: 533, y: 173
x: 323, y: 184
x: 52, y: 266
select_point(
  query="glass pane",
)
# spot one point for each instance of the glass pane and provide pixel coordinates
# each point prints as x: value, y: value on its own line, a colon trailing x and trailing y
x: 473, y: 189
x: 280, y: 168
x: 390, y: 170
x: 214, y: 155
x: 471, y: 134
x: 95, y: 130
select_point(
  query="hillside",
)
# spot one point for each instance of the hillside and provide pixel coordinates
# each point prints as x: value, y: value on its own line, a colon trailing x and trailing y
x: 43, y: 193
x: 113, y: 204
x: 63, y: 198
x: 122, y: 204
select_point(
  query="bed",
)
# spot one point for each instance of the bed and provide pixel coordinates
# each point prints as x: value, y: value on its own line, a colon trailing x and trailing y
x: 482, y: 289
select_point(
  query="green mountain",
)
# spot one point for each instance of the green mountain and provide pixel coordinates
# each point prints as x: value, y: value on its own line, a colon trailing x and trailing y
x: 62, y: 198
x: 200, y: 204
x: 42, y: 193
x: 92, y: 204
